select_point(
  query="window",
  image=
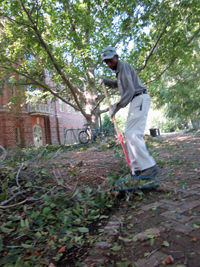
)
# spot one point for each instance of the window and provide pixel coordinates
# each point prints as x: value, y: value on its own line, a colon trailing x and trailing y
x: 11, y: 91
x: 68, y: 108
x: 61, y: 104
x: 52, y: 105
x: 17, y: 135
x: 11, y: 88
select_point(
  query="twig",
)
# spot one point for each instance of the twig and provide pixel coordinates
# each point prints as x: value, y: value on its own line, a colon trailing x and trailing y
x: 26, y: 200
x: 10, y: 206
x: 66, y: 187
x: 17, y: 176
x: 14, y: 247
x: 75, y: 185
x: 57, y: 152
x: 168, y: 171
x: 155, y: 264
x: 18, y: 237
x: 11, y: 198
x: 153, y: 252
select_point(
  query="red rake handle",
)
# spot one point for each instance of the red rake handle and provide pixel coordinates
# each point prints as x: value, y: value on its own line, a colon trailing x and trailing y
x: 117, y: 129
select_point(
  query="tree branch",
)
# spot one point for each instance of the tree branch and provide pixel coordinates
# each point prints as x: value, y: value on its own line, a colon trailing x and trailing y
x: 11, y: 198
x: 173, y: 60
x: 154, y: 47
x: 47, y: 88
x: 161, y: 73
x: 59, y: 71
x: 17, y: 176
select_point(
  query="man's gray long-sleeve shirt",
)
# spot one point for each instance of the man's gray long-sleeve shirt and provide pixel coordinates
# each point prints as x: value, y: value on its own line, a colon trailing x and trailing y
x: 128, y: 82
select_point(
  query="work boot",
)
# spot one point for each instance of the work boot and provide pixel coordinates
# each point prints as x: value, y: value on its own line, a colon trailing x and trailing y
x: 137, y: 173
x: 150, y: 171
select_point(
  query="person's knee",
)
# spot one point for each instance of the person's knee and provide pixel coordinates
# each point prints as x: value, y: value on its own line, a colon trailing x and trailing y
x: 129, y: 135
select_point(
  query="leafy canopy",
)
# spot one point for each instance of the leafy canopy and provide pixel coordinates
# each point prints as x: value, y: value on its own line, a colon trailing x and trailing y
x: 64, y: 39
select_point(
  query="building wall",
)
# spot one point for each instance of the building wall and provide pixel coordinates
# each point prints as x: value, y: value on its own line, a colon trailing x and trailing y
x: 53, y: 125
x: 66, y: 119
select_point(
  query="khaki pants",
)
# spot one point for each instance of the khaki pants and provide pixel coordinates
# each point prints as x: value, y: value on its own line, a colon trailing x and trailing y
x: 134, y: 131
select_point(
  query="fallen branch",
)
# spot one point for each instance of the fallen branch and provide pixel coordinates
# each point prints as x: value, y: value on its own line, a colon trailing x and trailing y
x: 66, y: 187
x: 17, y: 176
x: 153, y: 252
x: 11, y: 198
x: 26, y: 200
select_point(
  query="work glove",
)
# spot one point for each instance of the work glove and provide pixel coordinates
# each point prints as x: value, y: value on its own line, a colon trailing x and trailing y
x: 112, y: 111
x: 100, y: 80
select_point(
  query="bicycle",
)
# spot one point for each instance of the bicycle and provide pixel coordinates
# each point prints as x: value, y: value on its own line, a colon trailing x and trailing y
x: 89, y: 134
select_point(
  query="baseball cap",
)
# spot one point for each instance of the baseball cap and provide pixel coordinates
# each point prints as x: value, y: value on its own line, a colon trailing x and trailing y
x: 108, y: 52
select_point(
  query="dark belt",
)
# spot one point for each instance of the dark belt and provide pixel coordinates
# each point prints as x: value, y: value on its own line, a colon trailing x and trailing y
x: 144, y: 92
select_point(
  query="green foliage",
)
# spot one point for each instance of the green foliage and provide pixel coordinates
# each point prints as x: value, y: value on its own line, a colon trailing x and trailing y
x: 160, y: 119
x: 107, y: 124
x: 178, y: 89
x: 42, y: 213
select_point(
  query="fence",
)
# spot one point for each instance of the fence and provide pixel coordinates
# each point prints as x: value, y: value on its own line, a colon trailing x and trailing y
x: 71, y: 137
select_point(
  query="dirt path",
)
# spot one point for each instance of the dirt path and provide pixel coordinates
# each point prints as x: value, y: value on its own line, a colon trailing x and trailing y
x: 153, y: 228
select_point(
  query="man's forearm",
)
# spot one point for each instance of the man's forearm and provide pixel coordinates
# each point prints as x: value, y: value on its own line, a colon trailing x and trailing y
x: 110, y: 83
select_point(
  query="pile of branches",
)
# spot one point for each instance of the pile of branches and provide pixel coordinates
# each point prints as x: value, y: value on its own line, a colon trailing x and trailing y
x: 28, y: 176
x: 43, y: 209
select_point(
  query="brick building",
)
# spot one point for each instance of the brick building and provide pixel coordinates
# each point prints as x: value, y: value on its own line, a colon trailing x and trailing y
x: 35, y: 125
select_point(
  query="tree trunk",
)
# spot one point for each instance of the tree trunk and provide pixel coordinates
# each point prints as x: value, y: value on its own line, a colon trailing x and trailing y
x: 92, y: 110
x: 190, y: 123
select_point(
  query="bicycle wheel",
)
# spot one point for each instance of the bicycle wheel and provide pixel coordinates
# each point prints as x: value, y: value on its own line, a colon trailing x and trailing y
x: 83, y: 137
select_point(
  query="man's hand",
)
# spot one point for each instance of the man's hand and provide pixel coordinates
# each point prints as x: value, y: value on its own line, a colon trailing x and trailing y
x: 100, y: 80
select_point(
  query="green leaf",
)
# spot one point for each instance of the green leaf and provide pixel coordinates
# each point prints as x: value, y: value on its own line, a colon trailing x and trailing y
x: 85, y: 170
x: 27, y: 223
x: 76, y: 212
x: 46, y: 210
x: 6, y: 230
x: 116, y: 248
x: 125, y: 239
x: 4, y: 185
x: 195, y: 225
x: 150, y: 236
x: 27, y: 245
x: 165, y: 243
x: 22, y: 223
x: 79, y: 264
x: 134, y: 239
x: 124, y: 264
x: 146, y: 254
x: 103, y: 217
x: 152, y: 241
x: 83, y: 230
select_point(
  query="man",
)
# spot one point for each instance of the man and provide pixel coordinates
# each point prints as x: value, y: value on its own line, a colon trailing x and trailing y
x: 132, y: 91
